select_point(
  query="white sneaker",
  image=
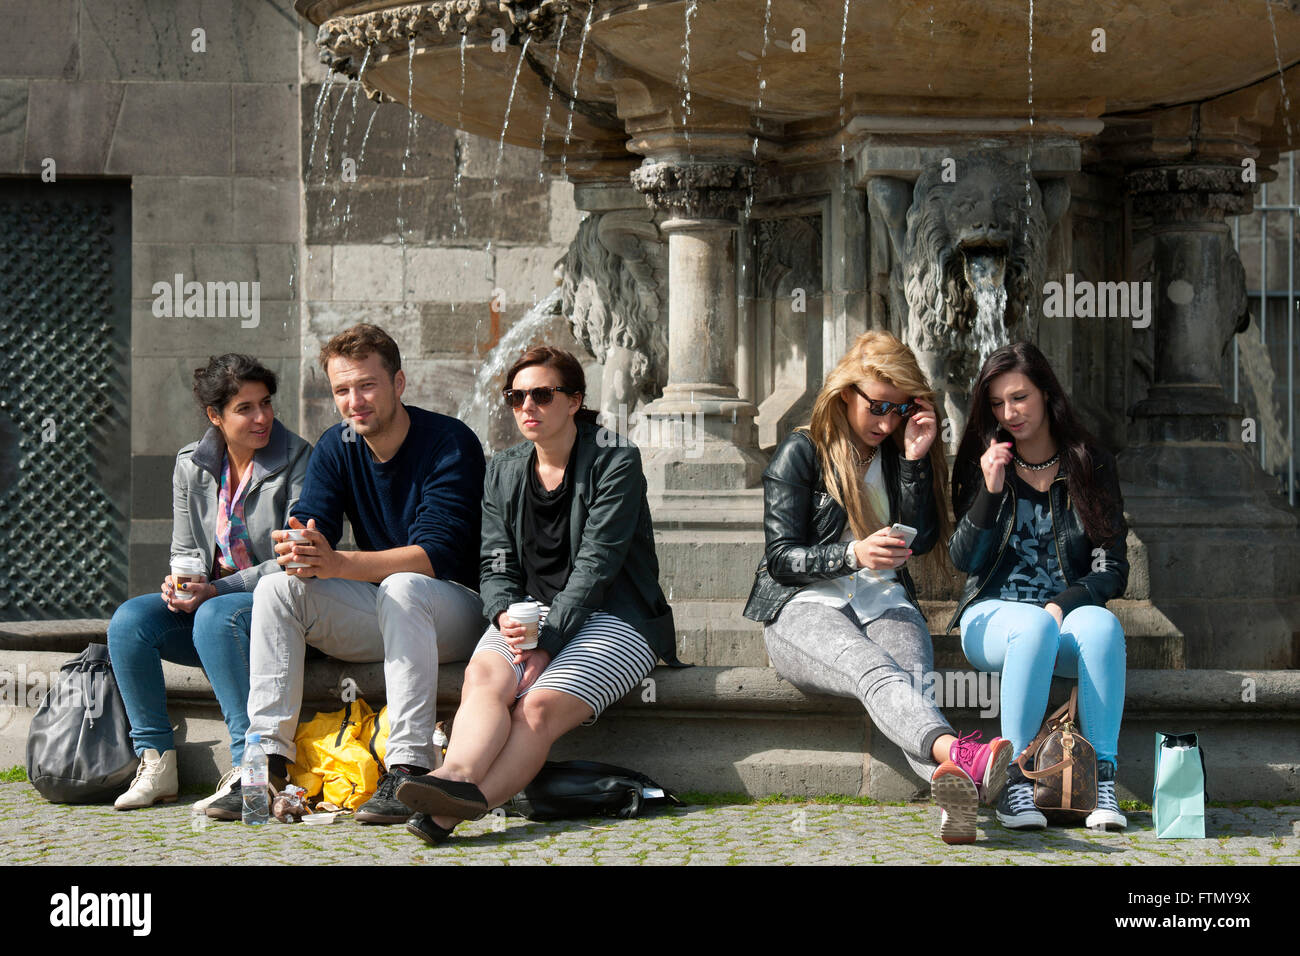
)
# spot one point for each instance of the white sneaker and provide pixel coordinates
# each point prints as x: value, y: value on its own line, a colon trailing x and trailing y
x: 155, y: 782
x: 1107, y: 814
x: 223, y: 787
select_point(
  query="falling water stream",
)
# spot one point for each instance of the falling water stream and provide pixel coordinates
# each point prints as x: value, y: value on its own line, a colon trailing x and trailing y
x: 691, y: 8
x: 483, y: 395
x: 573, y: 101
x: 550, y: 95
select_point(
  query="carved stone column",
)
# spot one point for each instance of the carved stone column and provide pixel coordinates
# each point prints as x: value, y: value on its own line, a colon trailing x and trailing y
x: 701, y: 402
x: 1221, y: 544
x: 1199, y: 293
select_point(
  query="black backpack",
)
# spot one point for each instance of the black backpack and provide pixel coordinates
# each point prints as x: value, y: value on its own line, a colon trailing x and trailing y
x: 582, y: 788
x: 79, y: 745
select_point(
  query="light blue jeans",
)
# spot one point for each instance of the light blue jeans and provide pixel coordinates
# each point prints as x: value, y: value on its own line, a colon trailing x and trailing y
x: 144, y: 632
x: 1023, y: 643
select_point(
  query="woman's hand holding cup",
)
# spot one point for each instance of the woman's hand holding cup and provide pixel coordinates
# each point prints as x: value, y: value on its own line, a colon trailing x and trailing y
x: 881, y: 551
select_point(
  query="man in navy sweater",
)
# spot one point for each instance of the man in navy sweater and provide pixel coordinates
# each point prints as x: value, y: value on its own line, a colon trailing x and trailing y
x: 410, y: 483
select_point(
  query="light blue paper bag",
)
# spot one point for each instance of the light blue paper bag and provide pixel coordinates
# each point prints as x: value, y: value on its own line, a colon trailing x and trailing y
x: 1178, y: 801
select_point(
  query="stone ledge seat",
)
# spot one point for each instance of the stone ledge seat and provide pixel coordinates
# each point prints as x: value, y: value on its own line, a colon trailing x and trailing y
x: 745, y: 730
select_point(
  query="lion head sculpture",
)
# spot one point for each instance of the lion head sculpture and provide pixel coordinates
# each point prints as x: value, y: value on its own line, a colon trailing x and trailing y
x: 987, y: 225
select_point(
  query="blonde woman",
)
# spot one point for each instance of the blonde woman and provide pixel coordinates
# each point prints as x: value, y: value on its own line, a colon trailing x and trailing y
x: 833, y: 589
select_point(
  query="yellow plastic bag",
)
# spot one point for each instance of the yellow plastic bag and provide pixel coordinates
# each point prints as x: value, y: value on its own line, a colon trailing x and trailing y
x: 340, y: 754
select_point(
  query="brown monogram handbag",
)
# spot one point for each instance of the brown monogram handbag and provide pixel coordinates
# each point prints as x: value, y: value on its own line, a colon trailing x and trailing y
x: 1065, y: 774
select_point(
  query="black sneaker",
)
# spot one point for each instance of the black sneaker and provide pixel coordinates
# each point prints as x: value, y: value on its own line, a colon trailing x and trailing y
x: 231, y: 806
x: 384, y: 807
x: 1016, y: 810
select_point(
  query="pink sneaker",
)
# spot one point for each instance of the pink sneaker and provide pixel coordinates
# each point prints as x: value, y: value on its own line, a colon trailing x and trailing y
x: 986, y: 764
x: 955, y: 793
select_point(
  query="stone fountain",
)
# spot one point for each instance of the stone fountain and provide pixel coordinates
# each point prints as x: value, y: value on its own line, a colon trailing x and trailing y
x: 762, y: 183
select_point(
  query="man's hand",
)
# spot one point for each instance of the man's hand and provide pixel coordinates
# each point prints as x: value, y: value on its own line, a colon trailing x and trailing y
x: 322, y: 560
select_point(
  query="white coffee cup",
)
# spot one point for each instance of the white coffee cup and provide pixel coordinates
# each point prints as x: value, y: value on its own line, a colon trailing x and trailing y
x: 187, y: 568
x: 527, y: 613
x: 299, y: 535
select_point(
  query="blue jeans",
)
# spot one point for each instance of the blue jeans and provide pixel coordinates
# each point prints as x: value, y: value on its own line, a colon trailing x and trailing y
x: 1023, y: 643
x: 144, y: 633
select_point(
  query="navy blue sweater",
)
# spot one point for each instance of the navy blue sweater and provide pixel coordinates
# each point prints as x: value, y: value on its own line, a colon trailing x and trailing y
x: 430, y: 493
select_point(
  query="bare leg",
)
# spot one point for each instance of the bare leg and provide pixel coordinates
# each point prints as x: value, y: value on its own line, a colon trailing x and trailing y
x: 941, y: 748
x: 540, y: 718
x: 482, y: 721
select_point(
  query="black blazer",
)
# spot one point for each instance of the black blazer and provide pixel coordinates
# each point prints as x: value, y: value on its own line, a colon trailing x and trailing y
x: 615, y: 568
x: 802, y: 523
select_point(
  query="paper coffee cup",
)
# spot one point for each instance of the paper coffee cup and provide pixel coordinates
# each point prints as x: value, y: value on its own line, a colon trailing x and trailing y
x: 187, y: 568
x: 527, y: 613
x: 299, y: 535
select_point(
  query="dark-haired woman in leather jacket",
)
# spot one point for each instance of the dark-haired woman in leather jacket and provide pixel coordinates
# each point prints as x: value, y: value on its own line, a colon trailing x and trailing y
x: 1041, y: 535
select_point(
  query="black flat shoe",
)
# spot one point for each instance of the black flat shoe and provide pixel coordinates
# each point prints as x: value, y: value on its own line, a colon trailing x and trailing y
x: 423, y: 826
x: 442, y: 798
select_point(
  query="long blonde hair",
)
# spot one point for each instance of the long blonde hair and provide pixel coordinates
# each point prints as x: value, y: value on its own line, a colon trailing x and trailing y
x: 875, y: 354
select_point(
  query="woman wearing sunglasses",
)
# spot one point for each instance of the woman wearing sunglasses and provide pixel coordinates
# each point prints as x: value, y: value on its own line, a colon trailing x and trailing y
x: 565, y: 524
x: 1041, y: 535
x: 838, y: 603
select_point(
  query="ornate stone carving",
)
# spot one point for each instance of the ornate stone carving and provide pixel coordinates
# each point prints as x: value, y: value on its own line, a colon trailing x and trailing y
x: 694, y: 190
x: 976, y: 232
x: 1189, y: 193
x: 789, y: 255
x: 343, y: 41
x: 614, y: 288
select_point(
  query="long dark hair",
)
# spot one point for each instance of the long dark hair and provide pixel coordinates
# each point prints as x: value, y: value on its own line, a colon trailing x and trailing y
x: 1092, y: 500
x: 571, y: 375
x: 222, y: 378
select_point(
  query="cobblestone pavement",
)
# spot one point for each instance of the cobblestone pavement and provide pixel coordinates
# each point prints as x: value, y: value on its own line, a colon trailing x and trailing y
x: 33, y: 831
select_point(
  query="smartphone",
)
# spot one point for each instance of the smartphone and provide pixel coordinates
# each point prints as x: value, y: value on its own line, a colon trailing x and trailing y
x: 904, y: 531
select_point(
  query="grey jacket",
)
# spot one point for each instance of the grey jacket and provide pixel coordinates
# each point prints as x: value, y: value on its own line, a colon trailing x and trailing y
x: 279, y: 470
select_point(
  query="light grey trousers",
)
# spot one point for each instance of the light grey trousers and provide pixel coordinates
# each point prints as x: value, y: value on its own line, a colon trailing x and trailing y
x: 409, y: 621
x: 822, y: 649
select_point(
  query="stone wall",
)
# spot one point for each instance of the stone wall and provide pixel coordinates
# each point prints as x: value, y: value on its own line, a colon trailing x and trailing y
x: 437, y: 227
x: 215, y: 143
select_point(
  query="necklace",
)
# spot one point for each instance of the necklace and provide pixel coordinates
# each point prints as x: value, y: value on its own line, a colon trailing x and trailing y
x: 858, y: 459
x: 1039, y: 467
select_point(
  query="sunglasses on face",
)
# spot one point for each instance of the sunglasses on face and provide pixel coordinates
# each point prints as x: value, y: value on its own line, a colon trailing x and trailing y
x: 541, y: 395
x: 879, y: 408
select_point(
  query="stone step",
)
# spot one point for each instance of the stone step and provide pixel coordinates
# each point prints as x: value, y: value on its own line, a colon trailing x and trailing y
x: 744, y: 729
x: 709, y: 632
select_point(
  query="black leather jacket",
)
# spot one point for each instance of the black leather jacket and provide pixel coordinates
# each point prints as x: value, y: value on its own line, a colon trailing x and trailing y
x: 984, y: 524
x: 802, y: 523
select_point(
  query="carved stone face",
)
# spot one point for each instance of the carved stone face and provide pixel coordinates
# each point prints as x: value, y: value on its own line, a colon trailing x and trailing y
x: 981, y: 213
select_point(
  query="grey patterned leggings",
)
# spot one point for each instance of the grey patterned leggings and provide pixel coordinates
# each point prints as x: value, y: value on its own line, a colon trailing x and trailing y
x: 821, y: 649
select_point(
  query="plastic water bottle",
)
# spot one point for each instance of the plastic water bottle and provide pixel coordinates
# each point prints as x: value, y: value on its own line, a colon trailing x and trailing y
x: 253, y: 781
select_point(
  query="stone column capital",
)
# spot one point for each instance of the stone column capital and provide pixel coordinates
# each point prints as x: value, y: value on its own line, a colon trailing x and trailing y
x: 1190, y: 192
x: 694, y: 190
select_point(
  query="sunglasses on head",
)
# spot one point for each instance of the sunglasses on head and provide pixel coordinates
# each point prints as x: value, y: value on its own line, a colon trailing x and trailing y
x: 901, y: 409
x: 541, y: 395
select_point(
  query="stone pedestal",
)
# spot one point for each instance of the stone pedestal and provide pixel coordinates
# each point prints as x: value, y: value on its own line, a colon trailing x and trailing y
x: 704, y: 432
x: 1223, y: 548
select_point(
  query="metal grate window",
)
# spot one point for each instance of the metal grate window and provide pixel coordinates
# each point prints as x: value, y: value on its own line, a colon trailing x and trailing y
x: 64, y: 427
